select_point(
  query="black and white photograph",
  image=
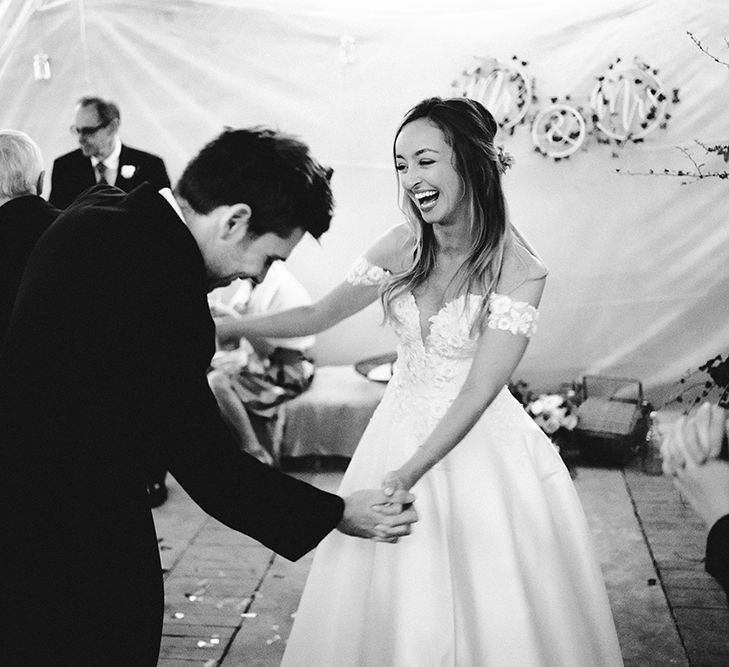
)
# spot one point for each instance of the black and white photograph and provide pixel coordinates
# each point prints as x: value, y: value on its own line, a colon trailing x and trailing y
x: 384, y: 334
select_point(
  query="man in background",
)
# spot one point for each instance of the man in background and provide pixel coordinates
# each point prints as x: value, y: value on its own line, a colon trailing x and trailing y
x: 24, y: 215
x: 101, y: 156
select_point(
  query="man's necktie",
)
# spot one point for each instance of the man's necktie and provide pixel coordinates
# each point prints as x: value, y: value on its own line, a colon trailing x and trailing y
x: 101, y: 171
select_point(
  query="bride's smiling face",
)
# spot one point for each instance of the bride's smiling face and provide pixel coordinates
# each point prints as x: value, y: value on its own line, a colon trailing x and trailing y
x: 425, y: 165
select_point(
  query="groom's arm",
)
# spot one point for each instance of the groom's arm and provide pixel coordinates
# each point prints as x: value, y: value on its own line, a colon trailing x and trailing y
x: 284, y: 513
x: 173, y: 340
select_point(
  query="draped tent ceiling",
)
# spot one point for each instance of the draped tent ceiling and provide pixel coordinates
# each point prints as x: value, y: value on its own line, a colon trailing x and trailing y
x: 639, y: 273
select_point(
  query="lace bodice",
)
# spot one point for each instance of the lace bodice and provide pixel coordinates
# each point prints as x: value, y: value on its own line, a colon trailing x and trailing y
x: 432, y: 365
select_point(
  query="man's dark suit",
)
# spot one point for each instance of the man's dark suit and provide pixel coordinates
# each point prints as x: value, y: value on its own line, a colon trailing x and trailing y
x: 73, y: 174
x: 717, y: 553
x: 22, y: 221
x: 104, y: 362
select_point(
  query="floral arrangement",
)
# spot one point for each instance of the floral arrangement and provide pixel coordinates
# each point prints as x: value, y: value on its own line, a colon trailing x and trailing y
x: 552, y: 412
x: 488, y: 78
x: 128, y: 170
x: 555, y: 414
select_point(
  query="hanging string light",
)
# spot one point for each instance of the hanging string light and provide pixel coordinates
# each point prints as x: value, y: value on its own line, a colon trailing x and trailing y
x: 41, y: 60
x: 347, y: 49
x: 41, y: 66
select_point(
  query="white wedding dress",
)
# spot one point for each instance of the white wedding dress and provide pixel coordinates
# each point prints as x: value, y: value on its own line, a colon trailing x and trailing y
x: 499, y: 570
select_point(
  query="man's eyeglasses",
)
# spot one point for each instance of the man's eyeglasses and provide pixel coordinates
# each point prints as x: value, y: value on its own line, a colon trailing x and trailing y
x: 85, y: 131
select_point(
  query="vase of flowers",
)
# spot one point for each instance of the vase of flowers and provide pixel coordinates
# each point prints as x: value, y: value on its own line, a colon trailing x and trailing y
x: 553, y: 412
x: 556, y: 415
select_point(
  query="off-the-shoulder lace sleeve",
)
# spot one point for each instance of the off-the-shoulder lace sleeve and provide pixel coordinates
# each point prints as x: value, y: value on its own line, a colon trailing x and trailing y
x: 364, y: 273
x: 517, y: 317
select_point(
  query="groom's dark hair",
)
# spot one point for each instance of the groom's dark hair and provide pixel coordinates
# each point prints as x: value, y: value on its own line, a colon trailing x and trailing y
x: 272, y: 172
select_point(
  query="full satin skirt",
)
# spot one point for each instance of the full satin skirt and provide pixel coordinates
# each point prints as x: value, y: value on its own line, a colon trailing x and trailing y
x: 499, y: 571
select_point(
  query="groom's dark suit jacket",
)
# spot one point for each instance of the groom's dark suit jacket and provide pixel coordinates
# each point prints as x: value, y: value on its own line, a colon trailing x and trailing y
x: 105, y: 361
x: 73, y: 174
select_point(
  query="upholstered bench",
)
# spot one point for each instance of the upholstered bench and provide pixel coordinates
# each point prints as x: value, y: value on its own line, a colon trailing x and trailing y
x: 329, y: 418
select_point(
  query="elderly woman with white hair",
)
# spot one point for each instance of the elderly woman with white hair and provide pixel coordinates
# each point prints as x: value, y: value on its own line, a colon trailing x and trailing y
x: 24, y: 215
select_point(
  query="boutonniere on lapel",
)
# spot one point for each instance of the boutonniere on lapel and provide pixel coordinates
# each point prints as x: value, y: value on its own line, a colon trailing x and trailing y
x: 128, y: 170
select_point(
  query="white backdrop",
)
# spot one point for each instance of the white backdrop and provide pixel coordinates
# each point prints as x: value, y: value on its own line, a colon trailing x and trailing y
x: 639, y: 273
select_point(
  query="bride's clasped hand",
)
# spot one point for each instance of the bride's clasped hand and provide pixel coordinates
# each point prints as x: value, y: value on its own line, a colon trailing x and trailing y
x: 381, y: 516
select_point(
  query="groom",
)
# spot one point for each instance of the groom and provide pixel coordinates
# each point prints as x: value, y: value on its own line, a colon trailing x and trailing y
x: 105, y: 365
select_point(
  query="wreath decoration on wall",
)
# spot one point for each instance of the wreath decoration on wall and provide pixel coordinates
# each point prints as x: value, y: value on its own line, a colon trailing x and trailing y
x: 503, y: 87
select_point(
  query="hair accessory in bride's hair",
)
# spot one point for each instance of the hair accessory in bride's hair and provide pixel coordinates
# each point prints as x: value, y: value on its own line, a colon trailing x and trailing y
x: 504, y: 160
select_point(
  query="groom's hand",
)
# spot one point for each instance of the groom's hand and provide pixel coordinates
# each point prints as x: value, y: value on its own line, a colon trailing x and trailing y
x: 372, y: 514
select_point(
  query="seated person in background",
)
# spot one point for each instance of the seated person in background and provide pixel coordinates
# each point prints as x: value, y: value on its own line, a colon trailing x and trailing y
x: 692, y: 452
x: 251, y: 380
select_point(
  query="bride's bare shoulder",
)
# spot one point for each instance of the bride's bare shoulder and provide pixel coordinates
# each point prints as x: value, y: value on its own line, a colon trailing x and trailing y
x: 394, y: 249
x: 521, y: 264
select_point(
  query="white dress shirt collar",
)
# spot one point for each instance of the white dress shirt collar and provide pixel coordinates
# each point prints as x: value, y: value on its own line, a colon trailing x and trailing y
x: 167, y: 194
x: 111, y: 162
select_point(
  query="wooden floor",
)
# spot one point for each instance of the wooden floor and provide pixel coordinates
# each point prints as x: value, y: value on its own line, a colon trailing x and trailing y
x: 230, y: 602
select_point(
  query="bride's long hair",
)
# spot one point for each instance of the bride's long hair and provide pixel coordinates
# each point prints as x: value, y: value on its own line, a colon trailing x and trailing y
x: 469, y: 129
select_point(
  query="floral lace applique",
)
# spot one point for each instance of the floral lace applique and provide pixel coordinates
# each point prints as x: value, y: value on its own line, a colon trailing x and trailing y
x: 517, y: 317
x: 450, y: 330
x: 364, y: 273
x: 428, y: 373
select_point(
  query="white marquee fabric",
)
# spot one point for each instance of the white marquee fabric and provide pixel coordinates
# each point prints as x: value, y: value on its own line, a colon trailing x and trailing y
x: 639, y: 265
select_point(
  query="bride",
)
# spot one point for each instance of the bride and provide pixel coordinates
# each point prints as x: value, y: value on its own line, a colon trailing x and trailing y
x: 500, y: 569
